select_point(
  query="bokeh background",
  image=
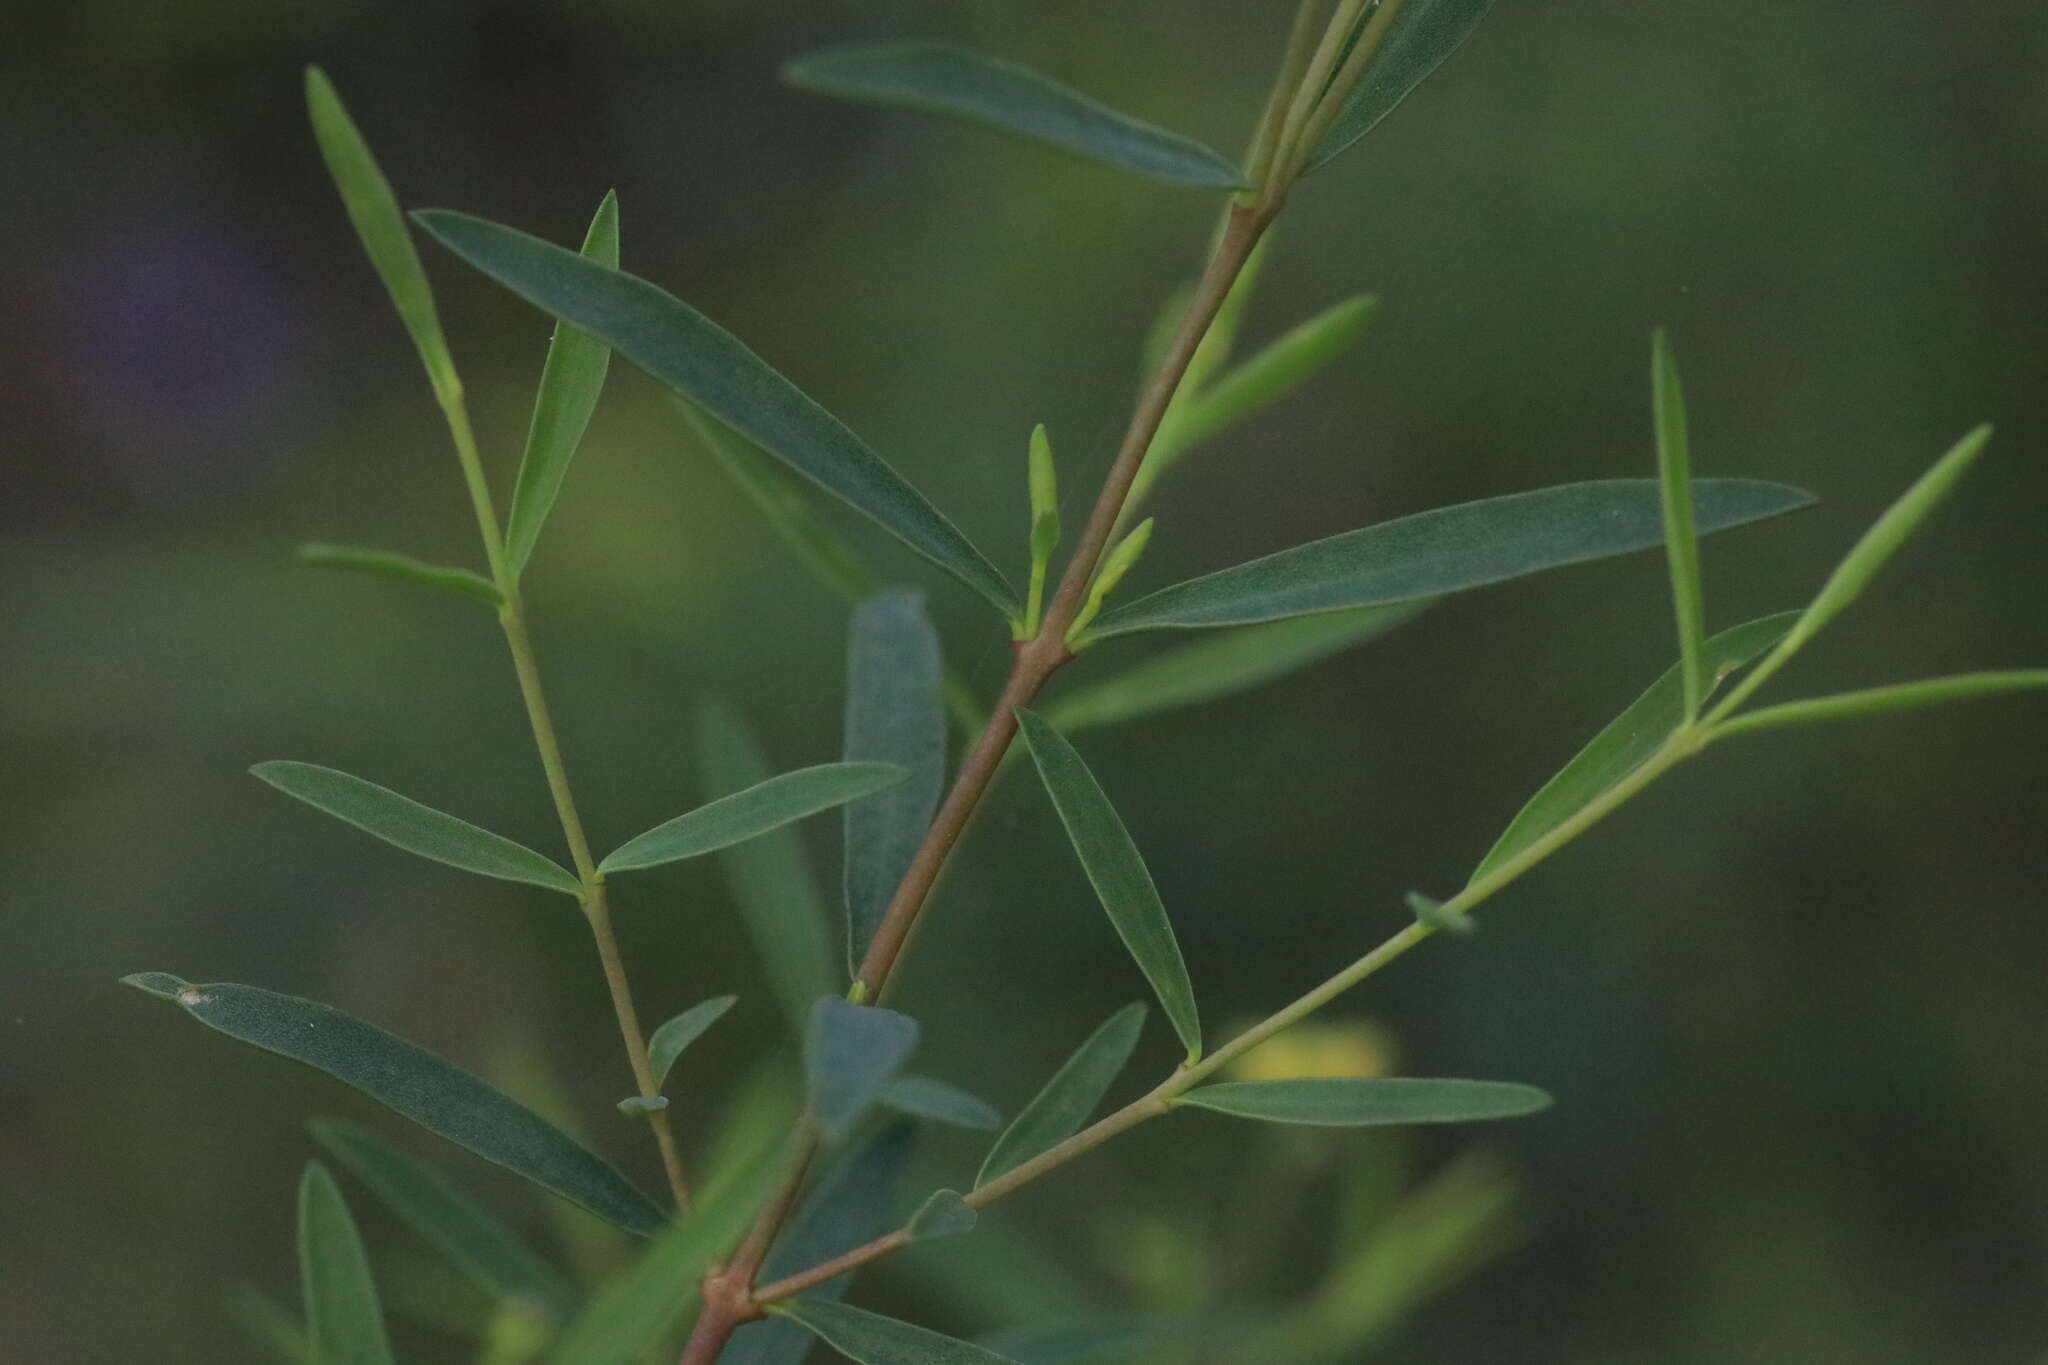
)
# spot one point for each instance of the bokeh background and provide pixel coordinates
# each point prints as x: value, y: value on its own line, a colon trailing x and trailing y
x: 1792, y: 1002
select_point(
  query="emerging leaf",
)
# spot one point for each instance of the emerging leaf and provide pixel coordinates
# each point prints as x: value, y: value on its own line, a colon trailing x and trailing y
x: 1424, y: 34
x: 1876, y: 700
x: 851, y: 1052
x: 404, y: 568
x: 667, y: 1042
x: 1059, y: 1110
x: 1356, y: 1101
x: 431, y: 1091
x: 940, y: 78
x: 1681, y: 541
x: 416, y: 828
x: 746, y: 814
x: 873, y: 1339
x: 344, y: 1322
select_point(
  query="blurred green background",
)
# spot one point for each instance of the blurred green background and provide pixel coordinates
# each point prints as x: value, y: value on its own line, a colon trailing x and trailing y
x: 1792, y: 1002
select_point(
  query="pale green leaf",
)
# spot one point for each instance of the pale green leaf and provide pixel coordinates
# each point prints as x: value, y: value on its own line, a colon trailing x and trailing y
x: 1117, y: 871
x: 1629, y: 739
x: 1447, y: 550
x: 1877, y: 700
x: 747, y: 814
x: 872, y: 1339
x: 570, y: 382
x: 402, y: 821
x: 431, y: 1091
x: 1366, y: 1101
x: 895, y: 714
x: 667, y: 1042
x: 1423, y: 35
x: 850, y: 1052
x: 945, y: 1214
x: 924, y: 1098
x: 940, y: 78
x: 771, y: 875
x: 1057, y: 1112
x: 473, y: 1238
x: 404, y: 568
x: 701, y: 360
x: 344, y: 1322
x: 1681, y: 541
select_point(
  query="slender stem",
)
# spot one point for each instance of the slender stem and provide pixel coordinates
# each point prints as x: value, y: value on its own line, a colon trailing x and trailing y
x: 1297, y: 152
x: 1300, y: 47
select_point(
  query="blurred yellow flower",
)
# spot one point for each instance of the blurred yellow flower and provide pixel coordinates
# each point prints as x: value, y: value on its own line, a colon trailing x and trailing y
x: 1356, y: 1047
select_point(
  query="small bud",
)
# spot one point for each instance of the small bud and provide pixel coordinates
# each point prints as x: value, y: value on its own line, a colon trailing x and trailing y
x: 1118, y: 562
x: 633, y: 1106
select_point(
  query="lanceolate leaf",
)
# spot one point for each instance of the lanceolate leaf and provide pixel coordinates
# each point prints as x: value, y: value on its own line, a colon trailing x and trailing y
x: 924, y: 1098
x: 850, y: 1052
x: 1876, y: 700
x: 344, y: 1323
x: 940, y: 78
x: 373, y: 209
x: 570, y: 382
x: 701, y: 360
x: 1352, y: 1101
x: 1223, y: 664
x: 1630, y: 738
x: 470, y: 1235
x: 1447, y: 550
x: 1060, y: 1109
x: 667, y: 1042
x: 771, y: 876
x: 1118, y: 873
x: 895, y: 714
x: 404, y: 568
x: 743, y: 815
x: 873, y: 1339
x: 431, y: 1091
x: 1423, y: 35
x: 415, y: 828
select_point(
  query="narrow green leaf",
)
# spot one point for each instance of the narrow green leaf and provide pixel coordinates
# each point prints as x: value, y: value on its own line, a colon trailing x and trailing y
x: 431, y: 1091
x: 851, y: 1205
x: 634, y: 1309
x: 570, y: 382
x: 1355, y: 1101
x: 1057, y: 1112
x: 701, y: 360
x: 743, y: 815
x: 895, y: 714
x: 873, y: 1339
x: 667, y: 1042
x: 1223, y: 664
x: 771, y: 876
x: 473, y: 1238
x: 1121, y: 559
x: 1629, y: 739
x: 945, y: 1214
x: 850, y: 1052
x: 1424, y: 34
x: 374, y: 211
x: 1447, y: 550
x: 924, y: 1098
x: 1681, y: 541
x: 404, y: 568
x: 1876, y: 700
x: 939, y: 78
x: 402, y: 821
x: 344, y: 1322
x: 1117, y: 871
x: 1264, y: 379
x: 1885, y: 537
x: 830, y: 556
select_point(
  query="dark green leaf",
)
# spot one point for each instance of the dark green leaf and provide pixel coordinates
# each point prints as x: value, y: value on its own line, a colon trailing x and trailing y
x: 344, y: 1323
x: 570, y: 382
x: 745, y: 814
x: 1447, y: 550
x: 698, y: 358
x: 924, y: 1098
x: 771, y: 876
x: 1224, y: 664
x: 1059, y: 1110
x: 374, y: 211
x: 1423, y: 35
x: 1355, y: 1101
x: 873, y: 1339
x: 668, y: 1041
x: 431, y: 1091
x: 1117, y: 872
x: 939, y: 78
x: 415, y: 828
x: 945, y: 1214
x: 895, y: 714
x: 1629, y: 739
x: 1681, y: 542
x: 1877, y: 700
x: 404, y: 568
x: 850, y: 1052
x: 471, y: 1236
